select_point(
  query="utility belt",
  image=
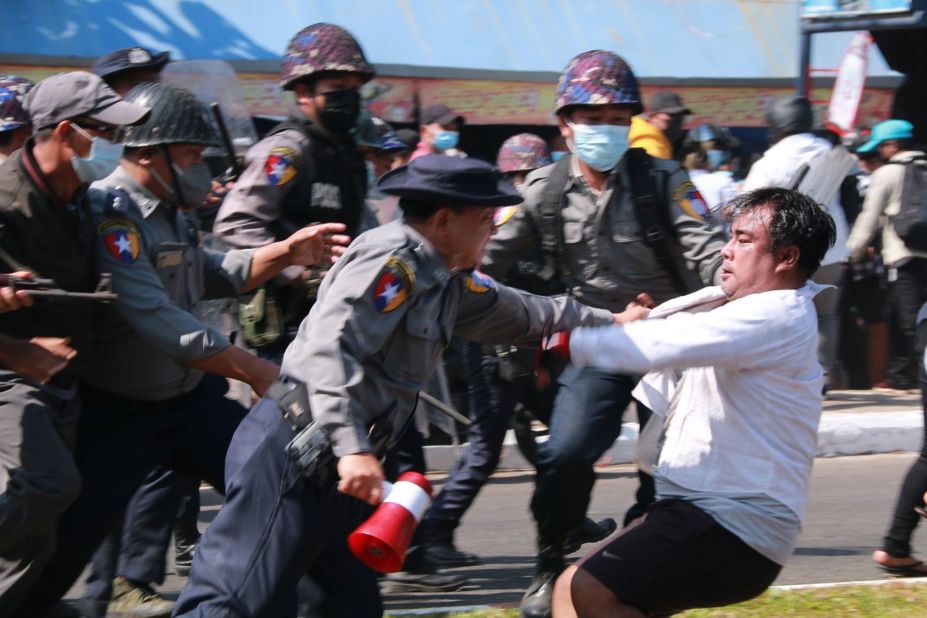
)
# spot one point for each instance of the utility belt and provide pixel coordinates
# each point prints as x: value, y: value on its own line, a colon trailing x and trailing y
x: 513, y: 362
x: 311, y: 447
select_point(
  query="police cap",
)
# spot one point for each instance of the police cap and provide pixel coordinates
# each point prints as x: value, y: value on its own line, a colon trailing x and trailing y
x: 129, y: 58
x: 443, y: 180
x: 71, y: 95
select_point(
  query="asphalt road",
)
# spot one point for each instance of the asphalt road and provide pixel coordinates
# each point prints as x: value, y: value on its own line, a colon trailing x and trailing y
x: 851, y: 500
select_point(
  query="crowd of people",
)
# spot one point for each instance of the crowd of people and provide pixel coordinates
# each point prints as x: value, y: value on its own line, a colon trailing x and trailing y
x: 648, y: 264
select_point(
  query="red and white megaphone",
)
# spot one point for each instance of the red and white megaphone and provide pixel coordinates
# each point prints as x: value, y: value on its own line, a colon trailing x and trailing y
x: 382, y: 540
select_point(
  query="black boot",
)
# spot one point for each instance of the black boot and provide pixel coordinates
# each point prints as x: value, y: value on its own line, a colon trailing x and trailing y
x: 550, y: 563
x: 589, y: 532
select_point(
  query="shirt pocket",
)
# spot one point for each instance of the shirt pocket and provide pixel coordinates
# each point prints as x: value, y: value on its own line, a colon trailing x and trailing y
x: 415, y: 347
x: 170, y: 262
x: 625, y: 229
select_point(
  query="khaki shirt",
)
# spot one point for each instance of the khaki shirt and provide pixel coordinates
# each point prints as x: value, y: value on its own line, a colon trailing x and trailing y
x: 384, y: 315
x: 160, y: 274
x: 605, y: 262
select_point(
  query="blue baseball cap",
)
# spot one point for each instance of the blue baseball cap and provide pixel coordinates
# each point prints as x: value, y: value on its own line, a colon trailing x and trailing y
x: 886, y: 131
x: 444, y: 180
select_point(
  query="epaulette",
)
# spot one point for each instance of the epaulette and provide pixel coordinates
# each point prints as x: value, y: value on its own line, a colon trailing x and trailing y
x: 116, y: 202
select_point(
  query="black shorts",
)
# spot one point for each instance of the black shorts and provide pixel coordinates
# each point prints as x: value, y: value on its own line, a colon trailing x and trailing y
x: 679, y: 558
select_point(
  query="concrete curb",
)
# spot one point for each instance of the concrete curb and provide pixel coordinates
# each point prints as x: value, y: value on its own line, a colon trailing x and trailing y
x: 839, y: 434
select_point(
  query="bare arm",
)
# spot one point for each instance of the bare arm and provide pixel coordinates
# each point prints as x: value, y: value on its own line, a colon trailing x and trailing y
x: 37, y: 359
x: 310, y: 245
x: 238, y: 364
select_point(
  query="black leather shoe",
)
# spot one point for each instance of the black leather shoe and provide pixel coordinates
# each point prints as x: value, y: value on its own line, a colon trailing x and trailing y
x: 446, y: 555
x: 589, y: 532
x: 536, y: 602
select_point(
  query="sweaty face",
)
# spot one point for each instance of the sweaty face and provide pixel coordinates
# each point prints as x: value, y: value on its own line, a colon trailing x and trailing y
x: 468, y: 232
x: 749, y: 264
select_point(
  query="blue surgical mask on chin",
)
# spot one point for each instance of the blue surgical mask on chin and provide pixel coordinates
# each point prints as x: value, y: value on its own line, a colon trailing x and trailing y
x: 102, y: 161
x: 600, y: 146
x: 445, y: 140
x: 556, y: 155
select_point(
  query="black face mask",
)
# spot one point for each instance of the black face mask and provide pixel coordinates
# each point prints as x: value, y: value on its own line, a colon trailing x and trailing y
x: 341, y: 109
x: 674, y: 127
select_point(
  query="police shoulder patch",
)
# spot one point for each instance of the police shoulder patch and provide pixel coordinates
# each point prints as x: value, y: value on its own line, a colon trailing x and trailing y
x: 479, y: 283
x: 121, y: 238
x: 691, y: 201
x: 393, y: 285
x: 503, y: 214
x: 281, y: 165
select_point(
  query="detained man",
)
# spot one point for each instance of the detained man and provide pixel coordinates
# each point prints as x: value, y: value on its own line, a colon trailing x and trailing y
x: 733, y: 372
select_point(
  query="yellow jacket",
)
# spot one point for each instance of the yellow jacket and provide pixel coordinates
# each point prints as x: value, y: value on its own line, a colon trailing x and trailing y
x: 645, y: 135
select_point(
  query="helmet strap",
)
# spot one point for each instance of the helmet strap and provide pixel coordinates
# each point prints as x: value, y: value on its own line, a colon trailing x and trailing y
x: 172, y: 189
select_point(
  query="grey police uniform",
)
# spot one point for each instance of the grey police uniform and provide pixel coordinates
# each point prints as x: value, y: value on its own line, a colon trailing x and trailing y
x: 141, y: 408
x: 150, y: 330
x: 604, y: 261
x: 384, y: 314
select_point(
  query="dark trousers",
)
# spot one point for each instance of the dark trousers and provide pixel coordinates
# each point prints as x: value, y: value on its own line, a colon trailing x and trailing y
x: 274, y: 527
x: 492, y: 405
x: 908, y: 292
x: 137, y: 548
x: 38, y: 481
x: 585, y: 423
x: 120, y: 441
x: 904, y: 520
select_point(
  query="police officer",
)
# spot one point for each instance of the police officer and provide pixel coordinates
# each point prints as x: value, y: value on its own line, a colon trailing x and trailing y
x: 589, y: 212
x: 146, y: 399
x: 15, y: 127
x: 385, y: 313
x: 499, y: 379
x: 308, y: 169
x: 45, y: 229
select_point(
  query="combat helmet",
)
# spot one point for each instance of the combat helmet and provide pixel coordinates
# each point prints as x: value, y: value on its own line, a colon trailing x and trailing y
x: 789, y: 115
x: 177, y: 117
x: 13, y: 90
x: 598, y: 77
x: 522, y: 153
x: 322, y: 48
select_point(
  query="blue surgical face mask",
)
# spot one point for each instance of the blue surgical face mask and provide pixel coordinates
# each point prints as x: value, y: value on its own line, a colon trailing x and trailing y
x: 102, y: 161
x: 717, y: 158
x: 556, y: 155
x: 600, y: 146
x: 445, y: 140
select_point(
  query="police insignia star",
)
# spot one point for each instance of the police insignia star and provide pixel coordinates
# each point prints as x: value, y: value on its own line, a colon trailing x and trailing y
x: 691, y: 201
x: 121, y: 239
x: 503, y: 214
x: 479, y: 283
x: 393, y: 286
x: 280, y: 166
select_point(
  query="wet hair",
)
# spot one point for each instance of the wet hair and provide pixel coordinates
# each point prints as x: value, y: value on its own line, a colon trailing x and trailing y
x: 794, y: 220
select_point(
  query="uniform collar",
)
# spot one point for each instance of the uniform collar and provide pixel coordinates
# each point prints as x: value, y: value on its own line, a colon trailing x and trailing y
x: 432, y: 268
x: 618, y: 175
x: 146, y: 201
x: 33, y: 172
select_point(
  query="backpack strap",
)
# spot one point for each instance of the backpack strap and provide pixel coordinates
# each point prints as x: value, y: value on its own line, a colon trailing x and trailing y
x: 550, y: 221
x: 653, y: 215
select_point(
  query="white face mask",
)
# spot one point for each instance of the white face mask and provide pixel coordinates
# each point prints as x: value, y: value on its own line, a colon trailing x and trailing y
x: 600, y: 146
x: 102, y: 161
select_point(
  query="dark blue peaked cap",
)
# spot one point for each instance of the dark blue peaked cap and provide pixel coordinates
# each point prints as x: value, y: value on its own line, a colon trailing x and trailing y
x: 129, y: 58
x: 442, y: 179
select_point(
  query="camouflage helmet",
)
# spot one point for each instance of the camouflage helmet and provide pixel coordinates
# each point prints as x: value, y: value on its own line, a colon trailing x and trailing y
x: 522, y: 153
x: 598, y: 77
x: 13, y: 91
x: 321, y: 48
x: 177, y: 117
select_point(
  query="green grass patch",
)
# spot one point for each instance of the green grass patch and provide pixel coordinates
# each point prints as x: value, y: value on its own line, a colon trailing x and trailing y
x: 887, y: 601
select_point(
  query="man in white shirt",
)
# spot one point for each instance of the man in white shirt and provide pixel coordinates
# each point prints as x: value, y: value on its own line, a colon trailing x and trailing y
x: 739, y: 424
